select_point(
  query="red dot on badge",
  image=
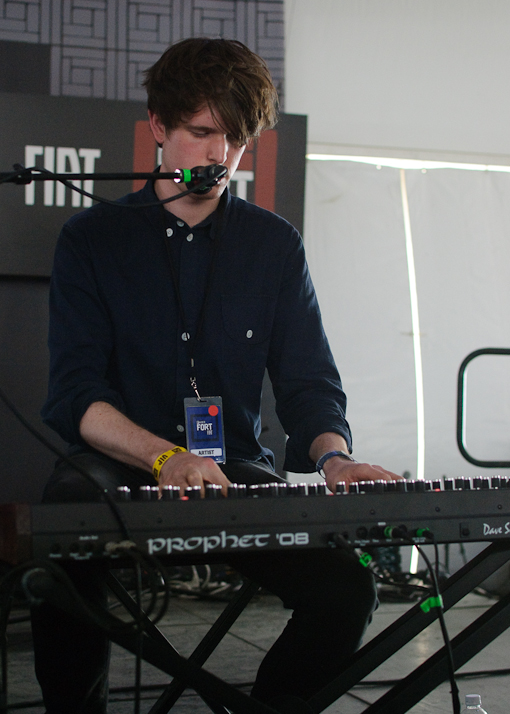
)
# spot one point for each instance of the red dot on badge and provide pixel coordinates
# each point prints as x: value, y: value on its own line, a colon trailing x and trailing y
x: 213, y: 410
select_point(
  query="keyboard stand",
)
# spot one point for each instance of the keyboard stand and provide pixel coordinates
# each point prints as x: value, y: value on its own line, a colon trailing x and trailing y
x: 223, y: 698
x: 425, y: 678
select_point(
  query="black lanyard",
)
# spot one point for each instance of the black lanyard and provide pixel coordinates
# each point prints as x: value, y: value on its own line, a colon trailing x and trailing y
x: 191, y: 342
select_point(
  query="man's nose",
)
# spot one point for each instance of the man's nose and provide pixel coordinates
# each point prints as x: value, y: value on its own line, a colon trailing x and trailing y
x: 218, y: 149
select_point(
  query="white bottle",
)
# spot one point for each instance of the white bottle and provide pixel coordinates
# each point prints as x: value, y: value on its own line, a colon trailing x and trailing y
x: 473, y: 705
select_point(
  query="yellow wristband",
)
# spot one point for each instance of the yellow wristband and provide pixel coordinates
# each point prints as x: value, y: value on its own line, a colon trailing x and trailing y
x: 158, y: 464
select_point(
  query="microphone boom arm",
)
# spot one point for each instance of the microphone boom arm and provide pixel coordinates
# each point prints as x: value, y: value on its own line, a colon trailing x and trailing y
x: 23, y: 176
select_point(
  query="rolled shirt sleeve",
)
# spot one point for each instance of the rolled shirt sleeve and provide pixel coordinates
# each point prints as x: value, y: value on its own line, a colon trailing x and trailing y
x: 80, y: 341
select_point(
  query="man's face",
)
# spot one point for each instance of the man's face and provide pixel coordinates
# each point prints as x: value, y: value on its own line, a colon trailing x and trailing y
x: 197, y: 141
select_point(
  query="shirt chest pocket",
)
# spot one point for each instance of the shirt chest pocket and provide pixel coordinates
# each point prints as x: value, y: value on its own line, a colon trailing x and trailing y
x: 247, y: 319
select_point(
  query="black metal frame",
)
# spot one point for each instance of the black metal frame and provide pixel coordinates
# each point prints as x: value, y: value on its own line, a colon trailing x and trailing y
x: 204, y: 649
x: 461, y: 379
x: 425, y: 678
x: 223, y: 698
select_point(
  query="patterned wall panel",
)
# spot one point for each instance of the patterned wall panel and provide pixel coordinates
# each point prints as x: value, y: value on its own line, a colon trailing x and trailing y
x: 100, y: 48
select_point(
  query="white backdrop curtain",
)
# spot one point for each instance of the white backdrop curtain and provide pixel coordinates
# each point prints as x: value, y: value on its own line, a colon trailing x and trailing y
x: 355, y: 242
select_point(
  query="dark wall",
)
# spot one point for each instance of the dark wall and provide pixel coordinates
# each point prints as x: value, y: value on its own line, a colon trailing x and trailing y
x: 24, y: 463
x: 24, y: 68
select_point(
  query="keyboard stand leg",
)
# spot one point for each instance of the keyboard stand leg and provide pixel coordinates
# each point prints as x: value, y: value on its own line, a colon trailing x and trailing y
x: 206, y: 646
x: 152, y: 645
x: 156, y: 650
x: 433, y: 671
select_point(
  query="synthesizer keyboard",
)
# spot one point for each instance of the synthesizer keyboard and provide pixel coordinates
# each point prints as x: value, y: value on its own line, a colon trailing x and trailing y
x: 257, y: 519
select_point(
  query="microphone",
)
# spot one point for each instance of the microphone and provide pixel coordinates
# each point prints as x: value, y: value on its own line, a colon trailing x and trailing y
x: 197, y: 175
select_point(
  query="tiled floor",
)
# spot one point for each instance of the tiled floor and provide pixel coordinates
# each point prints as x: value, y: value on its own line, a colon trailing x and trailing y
x: 237, y: 658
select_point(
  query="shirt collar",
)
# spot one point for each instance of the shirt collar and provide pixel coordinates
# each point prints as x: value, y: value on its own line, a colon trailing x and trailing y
x: 215, y: 220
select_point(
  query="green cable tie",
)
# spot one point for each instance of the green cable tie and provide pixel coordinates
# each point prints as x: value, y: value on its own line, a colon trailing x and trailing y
x: 431, y: 602
x: 365, y: 559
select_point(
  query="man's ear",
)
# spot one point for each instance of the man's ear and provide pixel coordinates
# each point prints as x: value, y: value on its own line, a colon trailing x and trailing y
x: 157, y: 127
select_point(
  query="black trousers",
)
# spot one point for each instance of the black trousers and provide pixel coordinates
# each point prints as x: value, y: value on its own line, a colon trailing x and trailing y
x: 332, y: 597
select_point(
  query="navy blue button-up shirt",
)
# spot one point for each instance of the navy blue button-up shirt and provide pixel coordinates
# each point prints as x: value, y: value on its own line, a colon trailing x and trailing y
x: 116, y: 332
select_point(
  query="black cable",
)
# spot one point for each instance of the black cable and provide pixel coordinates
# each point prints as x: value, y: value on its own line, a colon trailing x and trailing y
x: 119, y: 690
x: 383, y: 577
x: 58, y: 452
x: 97, y: 615
x: 138, y: 622
x: 39, y: 568
x: 108, y: 623
x: 139, y: 642
x: 156, y: 572
x: 440, y: 615
x: 5, y: 602
x: 366, y: 560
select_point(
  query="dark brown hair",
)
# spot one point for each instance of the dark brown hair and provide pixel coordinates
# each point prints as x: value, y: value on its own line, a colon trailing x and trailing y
x: 225, y: 75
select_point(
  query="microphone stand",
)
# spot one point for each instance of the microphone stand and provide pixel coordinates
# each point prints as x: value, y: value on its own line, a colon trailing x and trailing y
x: 26, y: 176
x: 199, y: 179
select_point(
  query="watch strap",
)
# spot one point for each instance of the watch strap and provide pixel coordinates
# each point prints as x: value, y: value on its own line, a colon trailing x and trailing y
x: 329, y: 455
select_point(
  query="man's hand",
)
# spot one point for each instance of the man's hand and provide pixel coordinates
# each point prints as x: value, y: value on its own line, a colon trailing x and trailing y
x: 185, y: 469
x: 337, y: 469
x: 107, y: 430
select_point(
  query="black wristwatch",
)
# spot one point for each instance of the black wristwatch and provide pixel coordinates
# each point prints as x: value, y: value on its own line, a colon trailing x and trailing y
x: 328, y: 455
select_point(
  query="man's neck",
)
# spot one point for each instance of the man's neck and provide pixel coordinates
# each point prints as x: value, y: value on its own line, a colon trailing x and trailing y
x: 191, y: 209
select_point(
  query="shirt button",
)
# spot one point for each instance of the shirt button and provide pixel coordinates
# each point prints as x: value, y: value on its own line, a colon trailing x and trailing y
x: 185, y: 336
x: 249, y: 334
x: 180, y: 223
x: 180, y: 427
x: 189, y: 238
x: 169, y: 232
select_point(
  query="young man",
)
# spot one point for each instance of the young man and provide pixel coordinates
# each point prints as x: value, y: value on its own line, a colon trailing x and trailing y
x: 151, y: 306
